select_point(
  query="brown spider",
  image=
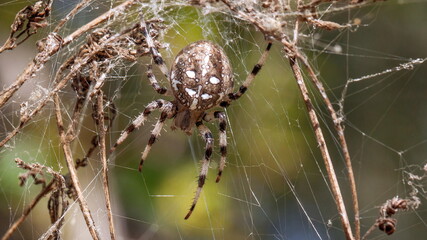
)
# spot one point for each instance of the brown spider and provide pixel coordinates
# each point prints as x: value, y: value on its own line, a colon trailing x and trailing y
x: 201, y: 78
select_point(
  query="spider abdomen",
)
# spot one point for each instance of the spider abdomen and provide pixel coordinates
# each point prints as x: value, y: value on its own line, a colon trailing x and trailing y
x: 201, y: 76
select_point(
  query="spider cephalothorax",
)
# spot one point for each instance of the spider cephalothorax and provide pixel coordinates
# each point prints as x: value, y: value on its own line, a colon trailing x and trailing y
x: 201, y: 79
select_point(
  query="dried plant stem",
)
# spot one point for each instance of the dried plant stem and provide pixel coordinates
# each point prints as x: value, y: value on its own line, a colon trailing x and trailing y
x: 27, y: 22
x: 73, y: 12
x: 61, y: 83
x: 120, y: 9
x: 338, y: 128
x: 103, y: 155
x: 273, y: 31
x: 344, y: 148
x: 27, y: 117
x: 8, y: 45
x: 54, y: 227
x: 65, y: 142
x: 42, y: 57
x: 28, y: 210
x: 323, y: 148
x: 370, y: 230
x: 32, y: 67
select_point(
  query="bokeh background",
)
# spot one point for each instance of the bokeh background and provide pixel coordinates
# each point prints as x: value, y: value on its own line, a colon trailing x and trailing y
x: 274, y: 185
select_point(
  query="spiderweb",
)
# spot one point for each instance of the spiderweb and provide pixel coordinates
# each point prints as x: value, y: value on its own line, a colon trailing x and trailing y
x: 275, y: 185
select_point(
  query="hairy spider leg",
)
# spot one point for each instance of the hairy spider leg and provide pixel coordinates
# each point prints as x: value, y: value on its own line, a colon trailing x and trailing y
x: 168, y: 112
x: 158, y: 104
x: 249, y: 78
x: 220, y: 116
x: 157, y: 57
x: 153, y: 81
x: 207, y: 136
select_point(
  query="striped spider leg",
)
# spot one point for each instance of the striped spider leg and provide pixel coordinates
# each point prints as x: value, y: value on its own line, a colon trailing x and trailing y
x: 158, y: 60
x: 207, y: 136
x: 168, y: 111
x: 242, y: 89
x: 220, y: 116
x: 165, y: 108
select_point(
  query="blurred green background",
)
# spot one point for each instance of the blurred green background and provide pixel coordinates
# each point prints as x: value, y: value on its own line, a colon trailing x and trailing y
x: 274, y: 185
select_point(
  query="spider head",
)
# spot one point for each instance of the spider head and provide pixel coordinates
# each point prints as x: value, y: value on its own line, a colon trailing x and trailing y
x: 201, y: 77
x: 186, y: 119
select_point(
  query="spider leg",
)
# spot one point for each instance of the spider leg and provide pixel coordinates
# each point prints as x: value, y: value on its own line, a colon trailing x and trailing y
x: 139, y: 120
x: 153, y: 81
x: 168, y: 112
x: 222, y: 138
x: 157, y: 57
x: 249, y: 78
x: 207, y: 136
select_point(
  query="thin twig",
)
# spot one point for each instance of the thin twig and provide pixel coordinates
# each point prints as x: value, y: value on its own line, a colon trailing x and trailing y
x: 323, y: 148
x: 103, y: 156
x: 27, y: 22
x: 42, y: 57
x: 53, y: 43
x: 8, y: 45
x: 61, y: 83
x: 73, y: 12
x: 120, y: 9
x: 344, y: 147
x: 28, y: 210
x: 338, y: 127
x: 272, y: 29
x: 57, y: 182
x: 65, y: 142
x: 54, y: 227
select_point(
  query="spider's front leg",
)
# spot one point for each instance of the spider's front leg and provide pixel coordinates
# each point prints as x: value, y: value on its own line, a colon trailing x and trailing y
x: 158, y: 60
x: 207, y: 136
x: 220, y: 116
x: 158, y: 104
x: 168, y: 112
x: 157, y: 57
x: 153, y: 81
x: 242, y: 89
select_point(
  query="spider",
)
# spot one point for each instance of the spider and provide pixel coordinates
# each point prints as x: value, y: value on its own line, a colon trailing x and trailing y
x: 201, y: 79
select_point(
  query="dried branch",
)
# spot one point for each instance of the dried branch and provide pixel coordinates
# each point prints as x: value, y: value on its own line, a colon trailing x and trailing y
x: 103, y: 156
x: 323, y: 149
x: 343, y: 142
x: 88, y: 53
x: 57, y: 206
x: 341, y: 136
x: 270, y: 28
x: 49, y: 187
x: 88, y: 70
x: 46, y: 53
x: 66, y: 138
x: 93, y: 59
x: 73, y: 12
x: 33, y: 170
x: 27, y: 22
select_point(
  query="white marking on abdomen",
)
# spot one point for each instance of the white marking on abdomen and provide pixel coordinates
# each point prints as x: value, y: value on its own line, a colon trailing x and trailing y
x: 190, y: 74
x: 206, y: 96
x: 175, y: 83
x: 214, y: 80
x: 190, y: 92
